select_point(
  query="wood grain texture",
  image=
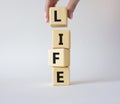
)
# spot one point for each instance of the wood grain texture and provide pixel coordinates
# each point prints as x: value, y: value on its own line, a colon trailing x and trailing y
x: 60, y: 76
x: 61, y: 39
x: 59, y: 57
x: 58, y: 16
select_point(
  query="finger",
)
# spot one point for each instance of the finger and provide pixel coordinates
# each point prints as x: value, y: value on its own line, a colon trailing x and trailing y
x: 47, y: 6
x: 71, y: 7
x: 49, y: 3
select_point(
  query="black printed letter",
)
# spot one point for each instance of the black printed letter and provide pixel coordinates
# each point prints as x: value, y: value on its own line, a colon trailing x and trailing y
x: 54, y: 57
x: 59, y: 76
x: 55, y: 17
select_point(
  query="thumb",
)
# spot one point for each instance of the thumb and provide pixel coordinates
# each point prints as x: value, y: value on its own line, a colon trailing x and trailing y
x: 71, y: 7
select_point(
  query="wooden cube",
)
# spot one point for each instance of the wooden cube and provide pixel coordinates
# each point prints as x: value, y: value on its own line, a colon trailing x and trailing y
x: 61, y: 76
x: 59, y: 57
x: 58, y: 16
x: 61, y: 39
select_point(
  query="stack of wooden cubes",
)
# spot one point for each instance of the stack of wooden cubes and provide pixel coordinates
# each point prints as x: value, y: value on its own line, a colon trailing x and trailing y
x: 59, y: 55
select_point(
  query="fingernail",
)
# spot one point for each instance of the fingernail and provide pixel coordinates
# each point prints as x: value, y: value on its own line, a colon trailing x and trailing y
x: 71, y: 15
x: 46, y: 20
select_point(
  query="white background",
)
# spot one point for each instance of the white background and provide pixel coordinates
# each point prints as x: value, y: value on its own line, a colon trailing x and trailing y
x: 25, y: 38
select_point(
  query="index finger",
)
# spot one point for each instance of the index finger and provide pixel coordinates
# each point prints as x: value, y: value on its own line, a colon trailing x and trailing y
x: 49, y: 3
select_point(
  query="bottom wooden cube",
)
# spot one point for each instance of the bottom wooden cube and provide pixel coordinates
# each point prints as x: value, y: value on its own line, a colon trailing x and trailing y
x: 61, y: 76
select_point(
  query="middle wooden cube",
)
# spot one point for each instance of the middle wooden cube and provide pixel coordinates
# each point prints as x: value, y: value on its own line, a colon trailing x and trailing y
x: 61, y: 39
x: 59, y: 57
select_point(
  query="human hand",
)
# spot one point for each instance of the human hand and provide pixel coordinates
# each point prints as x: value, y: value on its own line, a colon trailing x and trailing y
x: 70, y: 7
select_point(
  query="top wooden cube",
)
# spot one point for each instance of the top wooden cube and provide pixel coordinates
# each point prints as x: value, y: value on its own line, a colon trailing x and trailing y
x: 58, y: 16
